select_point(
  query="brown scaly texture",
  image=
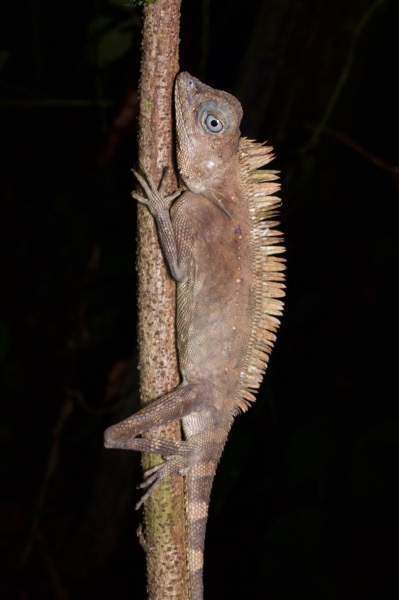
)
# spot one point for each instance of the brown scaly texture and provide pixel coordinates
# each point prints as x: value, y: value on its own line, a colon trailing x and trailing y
x: 220, y: 244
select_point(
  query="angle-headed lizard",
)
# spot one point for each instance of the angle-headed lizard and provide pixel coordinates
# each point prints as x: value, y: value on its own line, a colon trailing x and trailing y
x: 219, y: 240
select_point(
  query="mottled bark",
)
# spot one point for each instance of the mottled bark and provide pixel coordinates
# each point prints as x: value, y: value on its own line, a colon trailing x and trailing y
x: 164, y: 511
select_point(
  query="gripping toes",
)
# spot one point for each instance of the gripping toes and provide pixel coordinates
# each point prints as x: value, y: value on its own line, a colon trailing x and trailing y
x: 154, y: 476
x: 153, y: 196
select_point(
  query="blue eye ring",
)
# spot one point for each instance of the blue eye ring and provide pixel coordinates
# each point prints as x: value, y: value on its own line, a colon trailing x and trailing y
x: 212, y: 123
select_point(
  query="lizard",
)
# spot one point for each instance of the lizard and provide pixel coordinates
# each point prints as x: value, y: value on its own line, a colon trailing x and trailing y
x: 219, y: 238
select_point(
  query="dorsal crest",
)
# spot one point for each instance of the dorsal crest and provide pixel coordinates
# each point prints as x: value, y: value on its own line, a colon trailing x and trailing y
x: 260, y: 186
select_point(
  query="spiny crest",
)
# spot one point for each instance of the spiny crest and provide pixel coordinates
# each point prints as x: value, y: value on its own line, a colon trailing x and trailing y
x: 268, y: 279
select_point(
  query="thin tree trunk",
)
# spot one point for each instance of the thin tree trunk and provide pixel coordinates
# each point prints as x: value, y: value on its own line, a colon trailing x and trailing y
x: 164, y: 533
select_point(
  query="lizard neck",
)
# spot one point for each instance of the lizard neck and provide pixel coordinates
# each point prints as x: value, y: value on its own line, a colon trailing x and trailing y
x: 222, y: 191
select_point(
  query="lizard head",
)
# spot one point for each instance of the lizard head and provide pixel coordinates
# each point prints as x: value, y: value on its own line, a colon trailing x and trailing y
x: 208, y: 133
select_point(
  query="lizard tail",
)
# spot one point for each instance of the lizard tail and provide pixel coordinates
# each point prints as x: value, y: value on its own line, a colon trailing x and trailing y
x: 199, y: 482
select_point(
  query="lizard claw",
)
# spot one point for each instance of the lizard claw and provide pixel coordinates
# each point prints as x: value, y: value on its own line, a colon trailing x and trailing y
x: 150, y: 482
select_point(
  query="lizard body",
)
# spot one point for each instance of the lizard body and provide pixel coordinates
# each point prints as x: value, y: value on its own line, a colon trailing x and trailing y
x: 220, y: 244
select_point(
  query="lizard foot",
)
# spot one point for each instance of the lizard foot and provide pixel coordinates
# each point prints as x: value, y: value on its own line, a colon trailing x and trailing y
x: 155, y: 198
x: 154, y: 476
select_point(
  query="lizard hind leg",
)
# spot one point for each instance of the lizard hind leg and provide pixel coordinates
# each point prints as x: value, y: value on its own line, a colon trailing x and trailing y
x: 128, y: 434
x: 171, y: 407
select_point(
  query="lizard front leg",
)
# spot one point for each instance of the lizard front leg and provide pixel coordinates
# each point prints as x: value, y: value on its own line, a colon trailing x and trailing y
x: 176, y: 252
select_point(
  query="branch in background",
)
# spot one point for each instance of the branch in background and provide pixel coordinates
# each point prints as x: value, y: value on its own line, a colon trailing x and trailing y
x: 347, y: 141
x: 51, y: 466
x: 342, y: 79
x: 266, y: 51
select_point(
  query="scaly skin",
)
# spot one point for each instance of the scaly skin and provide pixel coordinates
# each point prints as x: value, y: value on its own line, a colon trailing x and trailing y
x: 220, y: 248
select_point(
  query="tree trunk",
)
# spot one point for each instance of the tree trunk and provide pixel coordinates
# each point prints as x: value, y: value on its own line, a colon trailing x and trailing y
x: 164, y: 512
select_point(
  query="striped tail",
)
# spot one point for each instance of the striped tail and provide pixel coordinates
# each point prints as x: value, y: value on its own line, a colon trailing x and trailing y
x: 199, y: 482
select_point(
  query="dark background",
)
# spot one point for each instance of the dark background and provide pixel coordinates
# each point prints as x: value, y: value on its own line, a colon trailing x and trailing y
x: 306, y: 497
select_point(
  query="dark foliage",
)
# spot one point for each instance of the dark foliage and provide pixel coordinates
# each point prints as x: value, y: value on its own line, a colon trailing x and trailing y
x: 305, y: 501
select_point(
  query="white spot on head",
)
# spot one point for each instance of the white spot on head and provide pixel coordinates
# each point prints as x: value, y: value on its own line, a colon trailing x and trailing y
x: 209, y: 164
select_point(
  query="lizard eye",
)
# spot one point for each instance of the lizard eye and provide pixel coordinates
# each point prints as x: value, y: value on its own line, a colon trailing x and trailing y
x: 212, y: 123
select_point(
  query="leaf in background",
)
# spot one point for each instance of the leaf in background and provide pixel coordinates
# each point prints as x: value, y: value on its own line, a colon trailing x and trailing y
x: 113, y: 45
x: 109, y: 38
